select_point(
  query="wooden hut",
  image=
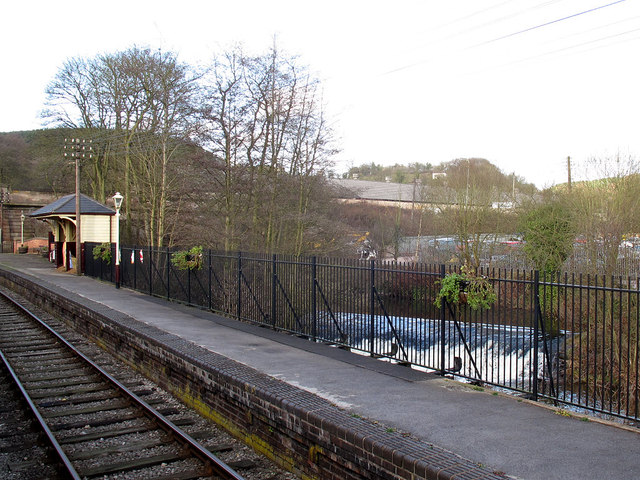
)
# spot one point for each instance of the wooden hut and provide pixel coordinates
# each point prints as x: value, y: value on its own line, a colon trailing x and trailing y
x: 97, y: 223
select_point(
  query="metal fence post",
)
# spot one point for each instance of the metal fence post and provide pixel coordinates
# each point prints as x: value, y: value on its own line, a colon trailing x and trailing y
x: 112, y: 266
x: 168, y: 275
x: 209, y: 275
x: 442, y: 325
x: 372, y: 307
x: 189, y: 286
x: 239, y: 285
x: 150, y: 262
x: 274, y: 280
x: 123, y: 268
x: 101, y: 268
x: 536, y: 321
x: 314, y: 310
x: 135, y: 269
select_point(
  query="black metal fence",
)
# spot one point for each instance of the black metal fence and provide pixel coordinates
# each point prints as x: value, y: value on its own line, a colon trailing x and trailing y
x: 571, y: 339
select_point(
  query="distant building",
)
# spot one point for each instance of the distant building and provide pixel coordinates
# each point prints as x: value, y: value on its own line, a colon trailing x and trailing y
x: 403, y: 195
x: 408, y: 195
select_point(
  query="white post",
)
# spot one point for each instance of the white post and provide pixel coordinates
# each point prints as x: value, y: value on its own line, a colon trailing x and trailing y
x: 117, y: 201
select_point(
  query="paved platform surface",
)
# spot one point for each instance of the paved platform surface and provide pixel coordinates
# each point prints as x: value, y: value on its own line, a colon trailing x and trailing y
x: 504, y: 433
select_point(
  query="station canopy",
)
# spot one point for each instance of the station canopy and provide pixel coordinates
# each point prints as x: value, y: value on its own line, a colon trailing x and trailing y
x: 66, y: 207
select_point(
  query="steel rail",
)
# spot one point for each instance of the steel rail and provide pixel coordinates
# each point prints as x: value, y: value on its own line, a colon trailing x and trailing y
x: 43, y: 424
x: 217, y: 466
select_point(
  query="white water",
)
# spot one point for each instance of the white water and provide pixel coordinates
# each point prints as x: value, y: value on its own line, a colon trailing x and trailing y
x: 503, y: 354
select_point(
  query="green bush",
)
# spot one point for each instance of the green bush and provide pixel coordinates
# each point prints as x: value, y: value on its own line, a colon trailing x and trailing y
x: 188, y: 259
x: 466, y: 288
x: 103, y: 252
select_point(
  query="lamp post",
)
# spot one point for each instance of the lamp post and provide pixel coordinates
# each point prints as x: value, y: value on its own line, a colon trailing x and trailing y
x: 4, y: 198
x: 22, y: 228
x: 117, y: 202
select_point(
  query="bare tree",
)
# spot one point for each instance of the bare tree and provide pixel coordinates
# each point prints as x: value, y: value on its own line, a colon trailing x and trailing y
x: 75, y: 100
x: 228, y: 112
x: 138, y: 106
x: 267, y: 127
x: 170, y: 93
x: 607, y: 208
x: 471, y: 197
x: 261, y: 116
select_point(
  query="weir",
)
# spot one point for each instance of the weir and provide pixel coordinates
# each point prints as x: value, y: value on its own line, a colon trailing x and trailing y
x: 502, y: 355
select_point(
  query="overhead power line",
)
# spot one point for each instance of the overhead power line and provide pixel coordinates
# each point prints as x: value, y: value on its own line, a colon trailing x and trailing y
x: 503, y: 18
x: 471, y: 15
x: 574, y: 47
x: 513, y: 34
x: 479, y: 25
x: 520, y: 32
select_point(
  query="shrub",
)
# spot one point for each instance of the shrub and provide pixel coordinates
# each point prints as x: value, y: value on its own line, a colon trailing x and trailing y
x: 468, y: 288
x: 188, y: 259
x: 103, y: 252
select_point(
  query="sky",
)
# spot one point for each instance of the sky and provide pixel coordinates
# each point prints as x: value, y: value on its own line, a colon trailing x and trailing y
x: 522, y: 83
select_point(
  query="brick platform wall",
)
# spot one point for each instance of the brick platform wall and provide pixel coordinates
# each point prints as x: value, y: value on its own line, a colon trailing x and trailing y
x: 299, y: 430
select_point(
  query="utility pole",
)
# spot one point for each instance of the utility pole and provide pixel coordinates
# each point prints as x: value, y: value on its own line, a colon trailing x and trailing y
x: 77, y: 149
x: 569, y: 173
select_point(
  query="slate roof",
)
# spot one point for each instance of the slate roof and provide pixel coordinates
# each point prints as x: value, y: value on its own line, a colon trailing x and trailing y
x: 67, y: 206
x: 369, y: 190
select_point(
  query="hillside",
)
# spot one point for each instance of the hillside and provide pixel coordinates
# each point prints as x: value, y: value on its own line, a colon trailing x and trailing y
x: 482, y: 171
x: 32, y: 160
x: 193, y: 196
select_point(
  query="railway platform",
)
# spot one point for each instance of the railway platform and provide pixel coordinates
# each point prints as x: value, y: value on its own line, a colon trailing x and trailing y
x: 503, y: 434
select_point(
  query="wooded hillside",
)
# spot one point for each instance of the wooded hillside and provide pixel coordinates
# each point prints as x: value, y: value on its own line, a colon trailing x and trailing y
x: 27, y: 161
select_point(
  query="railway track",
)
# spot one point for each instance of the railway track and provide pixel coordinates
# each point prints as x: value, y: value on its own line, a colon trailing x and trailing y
x: 94, y: 425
